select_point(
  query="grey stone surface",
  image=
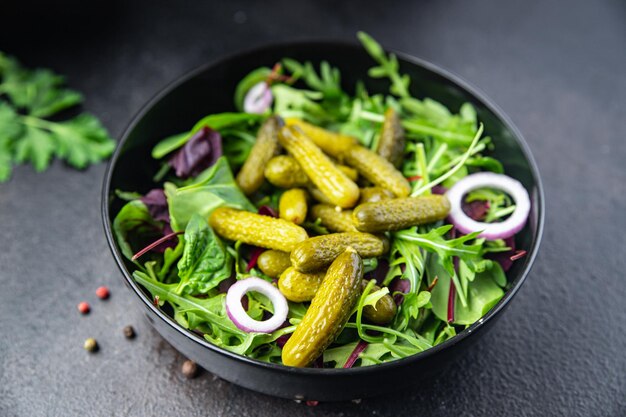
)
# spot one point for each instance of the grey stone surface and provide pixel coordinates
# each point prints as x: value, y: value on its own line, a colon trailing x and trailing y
x: 557, y: 68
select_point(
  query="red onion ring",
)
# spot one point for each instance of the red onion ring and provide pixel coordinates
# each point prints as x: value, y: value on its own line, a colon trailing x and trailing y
x: 490, y: 231
x: 258, y: 99
x: 240, y: 317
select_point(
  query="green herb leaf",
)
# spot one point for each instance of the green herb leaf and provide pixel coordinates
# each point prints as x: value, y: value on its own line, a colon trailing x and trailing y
x: 39, y: 92
x: 25, y: 136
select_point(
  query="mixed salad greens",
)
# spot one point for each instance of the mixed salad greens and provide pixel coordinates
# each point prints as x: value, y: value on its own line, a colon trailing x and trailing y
x: 441, y: 279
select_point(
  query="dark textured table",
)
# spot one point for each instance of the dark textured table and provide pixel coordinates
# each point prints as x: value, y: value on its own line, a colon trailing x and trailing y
x: 557, y: 68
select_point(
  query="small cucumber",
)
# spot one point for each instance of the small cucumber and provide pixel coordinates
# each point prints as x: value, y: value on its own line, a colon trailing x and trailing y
x: 377, y: 170
x: 318, y: 252
x: 391, y: 142
x: 328, y: 313
x: 400, y: 213
x: 255, y: 229
x: 297, y: 286
x: 374, y: 194
x: 333, y: 219
x: 273, y: 262
x: 322, y: 172
x: 385, y: 309
x: 332, y: 143
x: 292, y: 205
x: 250, y: 176
x: 285, y: 172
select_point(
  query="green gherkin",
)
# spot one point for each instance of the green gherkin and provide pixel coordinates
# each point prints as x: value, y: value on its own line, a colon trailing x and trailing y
x: 250, y: 176
x: 273, y: 262
x: 400, y: 213
x: 318, y: 252
x: 328, y: 313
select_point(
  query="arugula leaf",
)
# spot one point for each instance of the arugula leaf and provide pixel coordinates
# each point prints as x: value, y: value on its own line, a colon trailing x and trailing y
x: 25, y: 136
x: 486, y: 162
x: 388, y: 66
x: 434, y: 242
x: 205, y: 262
x: 294, y: 102
x: 337, y: 356
x: 213, y: 188
x: 208, y: 315
x: 329, y: 84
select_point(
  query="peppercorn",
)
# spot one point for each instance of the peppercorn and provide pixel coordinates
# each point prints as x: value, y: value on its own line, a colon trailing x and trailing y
x: 83, y: 307
x: 103, y: 293
x: 91, y: 345
x: 129, y: 332
x: 190, y: 369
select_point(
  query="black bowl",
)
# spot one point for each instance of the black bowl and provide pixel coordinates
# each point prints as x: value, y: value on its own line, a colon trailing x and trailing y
x: 209, y: 89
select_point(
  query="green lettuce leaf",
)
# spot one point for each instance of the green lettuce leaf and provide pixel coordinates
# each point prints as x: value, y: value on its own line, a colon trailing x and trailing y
x: 205, y: 261
x: 213, y: 188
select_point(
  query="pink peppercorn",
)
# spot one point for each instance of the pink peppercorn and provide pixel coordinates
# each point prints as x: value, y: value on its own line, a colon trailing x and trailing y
x: 83, y: 307
x: 103, y: 293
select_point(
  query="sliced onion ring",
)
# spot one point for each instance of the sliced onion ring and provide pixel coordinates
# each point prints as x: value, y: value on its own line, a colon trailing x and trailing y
x: 491, y: 231
x: 258, y: 99
x: 240, y: 317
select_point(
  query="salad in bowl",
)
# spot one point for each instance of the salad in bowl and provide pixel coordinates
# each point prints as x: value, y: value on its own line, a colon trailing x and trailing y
x: 317, y: 227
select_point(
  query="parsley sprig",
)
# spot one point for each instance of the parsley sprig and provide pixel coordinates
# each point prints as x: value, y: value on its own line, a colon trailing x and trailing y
x: 28, y: 100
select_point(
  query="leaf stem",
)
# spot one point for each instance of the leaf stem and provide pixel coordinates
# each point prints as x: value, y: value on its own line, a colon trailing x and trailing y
x: 155, y: 244
x: 423, y: 167
x: 441, y: 149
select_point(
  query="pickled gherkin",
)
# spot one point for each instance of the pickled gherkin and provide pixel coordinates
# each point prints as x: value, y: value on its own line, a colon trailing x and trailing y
x: 350, y: 172
x: 374, y: 194
x: 318, y: 252
x: 332, y: 143
x: 255, y: 229
x: 250, y: 176
x: 332, y: 219
x: 292, y: 205
x: 391, y: 142
x: 383, y: 311
x: 329, y: 311
x: 377, y: 170
x: 285, y: 172
x: 299, y: 286
x: 322, y: 172
x: 273, y: 262
x: 319, y: 196
x: 400, y: 213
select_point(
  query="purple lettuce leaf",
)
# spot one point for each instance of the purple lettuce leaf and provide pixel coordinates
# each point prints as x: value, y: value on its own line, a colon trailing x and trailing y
x: 156, y: 202
x: 200, y: 152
